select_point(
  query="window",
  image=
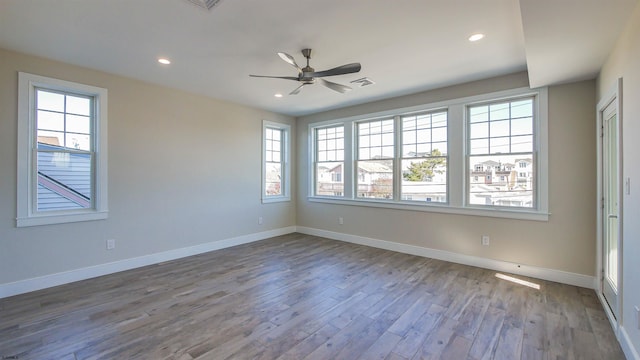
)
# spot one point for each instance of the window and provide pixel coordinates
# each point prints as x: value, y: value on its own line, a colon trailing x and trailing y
x: 375, y: 159
x: 500, y: 136
x: 276, y: 159
x: 329, y: 161
x: 424, y: 157
x: 62, y: 157
x: 482, y: 155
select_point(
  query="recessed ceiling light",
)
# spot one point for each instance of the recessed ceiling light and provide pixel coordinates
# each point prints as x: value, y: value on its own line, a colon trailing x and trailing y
x: 164, y: 61
x: 278, y: 95
x: 476, y: 37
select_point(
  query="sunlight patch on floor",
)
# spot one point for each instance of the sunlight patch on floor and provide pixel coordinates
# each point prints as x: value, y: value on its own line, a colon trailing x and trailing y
x: 518, y: 281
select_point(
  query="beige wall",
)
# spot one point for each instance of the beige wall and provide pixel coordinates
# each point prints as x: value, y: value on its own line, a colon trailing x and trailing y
x: 566, y: 242
x: 183, y: 170
x: 624, y: 62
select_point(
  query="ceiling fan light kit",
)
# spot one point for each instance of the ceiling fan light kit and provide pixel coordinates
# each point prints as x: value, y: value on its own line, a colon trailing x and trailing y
x: 308, y: 76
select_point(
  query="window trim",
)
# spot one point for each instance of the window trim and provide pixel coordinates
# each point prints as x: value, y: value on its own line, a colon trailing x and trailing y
x: 456, y: 192
x: 27, y: 215
x: 286, y: 162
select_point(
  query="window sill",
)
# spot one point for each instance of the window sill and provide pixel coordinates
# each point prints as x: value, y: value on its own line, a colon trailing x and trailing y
x: 49, y: 219
x: 276, y: 199
x: 439, y: 208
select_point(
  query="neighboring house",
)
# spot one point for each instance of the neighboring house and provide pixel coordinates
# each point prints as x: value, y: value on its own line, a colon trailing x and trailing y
x: 502, y: 184
x: 64, y: 178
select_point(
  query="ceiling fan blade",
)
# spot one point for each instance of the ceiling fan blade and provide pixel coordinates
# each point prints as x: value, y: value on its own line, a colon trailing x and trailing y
x: 276, y: 77
x: 297, y: 90
x: 340, y: 70
x: 335, y: 86
x: 290, y: 60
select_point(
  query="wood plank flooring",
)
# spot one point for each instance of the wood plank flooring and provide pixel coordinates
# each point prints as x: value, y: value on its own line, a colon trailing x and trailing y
x: 304, y: 297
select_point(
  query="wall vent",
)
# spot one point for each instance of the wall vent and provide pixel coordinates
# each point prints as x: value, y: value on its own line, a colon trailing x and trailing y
x: 363, y: 82
x: 205, y: 4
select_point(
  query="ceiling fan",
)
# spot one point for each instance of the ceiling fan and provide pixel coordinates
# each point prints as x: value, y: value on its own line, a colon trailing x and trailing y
x: 308, y: 76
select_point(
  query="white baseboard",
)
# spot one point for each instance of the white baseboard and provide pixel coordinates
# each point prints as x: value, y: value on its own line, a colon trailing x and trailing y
x: 513, y: 268
x: 33, y: 284
x: 627, y: 345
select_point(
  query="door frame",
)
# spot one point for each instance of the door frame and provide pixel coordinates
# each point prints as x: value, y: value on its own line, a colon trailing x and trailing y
x: 613, y: 95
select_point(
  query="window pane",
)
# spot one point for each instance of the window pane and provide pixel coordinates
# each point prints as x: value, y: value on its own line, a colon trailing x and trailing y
x: 273, y: 178
x: 329, y: 179
x: 375, y: 179
x: 48, y: 120
x: 479, y: 114
x: 78, y: 141
x: 64, y: 181
x: 523, y: 108
x: 522, y: 144
x: 479, y: 146
x: 479, y: 130
x: 500, y: 181
x: 46, y: 100
x: 439, y: 134
x: 423, y: 149
x: 50, y: 138
x: 424, y: 180
x: 522, y: 126
x: 439, y: 147
x: 78, y: 105
x: 499, y: 111
x: 499, y: 128
x: 499, y: 145
x: 78, y: 124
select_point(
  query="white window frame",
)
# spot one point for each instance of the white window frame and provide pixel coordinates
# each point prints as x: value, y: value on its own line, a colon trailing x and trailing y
x: 27, y: 214
x: 285, y: 154
x: 457, y: 163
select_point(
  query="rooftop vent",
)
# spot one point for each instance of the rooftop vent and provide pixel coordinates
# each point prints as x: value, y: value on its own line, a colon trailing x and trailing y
x: 363, y: 82
x: 205, y: 4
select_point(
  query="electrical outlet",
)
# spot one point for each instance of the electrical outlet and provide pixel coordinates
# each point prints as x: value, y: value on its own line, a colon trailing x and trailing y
x: 260, y: 220
x: 485, y: 240
x: 111, y: 244
x: 341, y: 221
x: 627, y: 186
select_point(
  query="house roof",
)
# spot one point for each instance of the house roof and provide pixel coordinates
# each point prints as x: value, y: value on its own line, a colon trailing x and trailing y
x: 373, y: 167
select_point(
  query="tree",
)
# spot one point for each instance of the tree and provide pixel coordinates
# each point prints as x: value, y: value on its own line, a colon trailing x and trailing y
x: 425, y: 169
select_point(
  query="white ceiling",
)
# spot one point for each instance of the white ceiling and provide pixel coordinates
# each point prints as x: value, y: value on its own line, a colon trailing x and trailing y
x: 405, y: 46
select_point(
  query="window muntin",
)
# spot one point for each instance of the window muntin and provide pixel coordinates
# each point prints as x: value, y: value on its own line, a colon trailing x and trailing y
x: 500, y: 146
x: 375, y: 159
x: 424, y: 157
x: 329, y: 161
x: 275, y: 166
x: 62, y: 151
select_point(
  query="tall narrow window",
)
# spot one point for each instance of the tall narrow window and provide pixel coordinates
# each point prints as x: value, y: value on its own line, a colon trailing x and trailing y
x: 275, y: 174
x: 329, y: 161
x: 62, y: 151
x: 424, y: 157
x: 375, y: 159
x: 501, y: 154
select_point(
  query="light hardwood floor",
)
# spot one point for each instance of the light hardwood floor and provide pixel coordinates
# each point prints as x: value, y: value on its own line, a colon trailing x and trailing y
x: 304, y: 297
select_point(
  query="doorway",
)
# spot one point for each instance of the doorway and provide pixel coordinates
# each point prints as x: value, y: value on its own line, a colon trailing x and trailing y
x: 609, y: 214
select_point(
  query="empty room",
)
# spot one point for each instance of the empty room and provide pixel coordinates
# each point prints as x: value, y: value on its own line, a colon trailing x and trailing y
x: 340, y: 179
